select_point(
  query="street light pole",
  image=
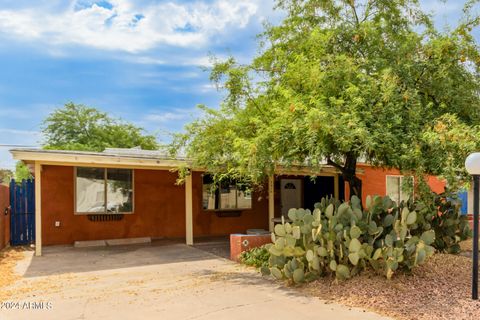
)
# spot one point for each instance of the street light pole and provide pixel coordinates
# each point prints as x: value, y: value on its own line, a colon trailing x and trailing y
x: 472, y: 164
x: 475, y: 237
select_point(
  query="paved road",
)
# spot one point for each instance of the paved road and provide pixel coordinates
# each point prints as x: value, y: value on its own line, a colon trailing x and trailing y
x: 158, y: 281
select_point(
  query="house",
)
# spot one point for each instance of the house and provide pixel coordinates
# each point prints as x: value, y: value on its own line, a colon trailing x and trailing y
x: 127, y: 193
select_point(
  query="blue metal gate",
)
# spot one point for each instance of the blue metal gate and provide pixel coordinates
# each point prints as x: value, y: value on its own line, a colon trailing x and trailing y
x: 22, y: 219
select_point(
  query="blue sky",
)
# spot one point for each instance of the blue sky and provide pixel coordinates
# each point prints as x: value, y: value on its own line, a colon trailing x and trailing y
x: 140, y: 60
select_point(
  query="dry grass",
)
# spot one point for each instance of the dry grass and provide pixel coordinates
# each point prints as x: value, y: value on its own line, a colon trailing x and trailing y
x: 8, y: 259
x: 439, y: 289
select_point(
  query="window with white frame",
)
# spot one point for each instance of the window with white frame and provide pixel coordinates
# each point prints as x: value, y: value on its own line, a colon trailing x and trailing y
x: 103, y: 190
x: 399, y: 188
x: 227, y: 195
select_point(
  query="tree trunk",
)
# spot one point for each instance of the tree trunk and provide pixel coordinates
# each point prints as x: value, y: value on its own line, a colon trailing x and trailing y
x: 349, y: 174
x: 354, y: 185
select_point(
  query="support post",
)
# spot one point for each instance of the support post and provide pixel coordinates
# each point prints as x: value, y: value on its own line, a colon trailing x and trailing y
x: 38, y: 209
x: 271, y: 202
x: 189, y: 210
x: 336, y: 190
x: 475, y: 237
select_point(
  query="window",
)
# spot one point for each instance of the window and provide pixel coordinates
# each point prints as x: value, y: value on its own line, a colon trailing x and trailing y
x: 399, y: 188
x: 225, y: 196
x: 101, y: 190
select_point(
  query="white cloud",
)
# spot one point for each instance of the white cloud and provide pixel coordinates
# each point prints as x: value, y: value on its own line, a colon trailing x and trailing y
x: 173, y: 115
x: 125, y: 26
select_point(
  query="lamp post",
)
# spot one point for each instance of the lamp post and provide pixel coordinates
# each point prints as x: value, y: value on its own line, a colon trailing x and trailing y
x: 472, y: 164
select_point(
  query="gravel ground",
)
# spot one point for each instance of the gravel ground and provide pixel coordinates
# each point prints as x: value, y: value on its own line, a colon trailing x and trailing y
x: 439, y: 289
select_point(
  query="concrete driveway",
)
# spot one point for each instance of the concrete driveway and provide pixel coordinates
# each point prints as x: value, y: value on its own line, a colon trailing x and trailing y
x: 159, y: 281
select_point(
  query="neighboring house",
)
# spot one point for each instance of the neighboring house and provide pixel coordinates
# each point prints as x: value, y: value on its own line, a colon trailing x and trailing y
x: 125, y: 193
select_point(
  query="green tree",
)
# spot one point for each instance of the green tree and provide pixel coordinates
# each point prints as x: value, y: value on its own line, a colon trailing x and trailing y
x: 5, y: 176
x: 343, y: 81
x: 78, y: 127
x: 22, y: 172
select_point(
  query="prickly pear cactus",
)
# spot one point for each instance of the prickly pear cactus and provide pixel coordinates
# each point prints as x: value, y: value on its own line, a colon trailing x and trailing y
x: 342, y: 239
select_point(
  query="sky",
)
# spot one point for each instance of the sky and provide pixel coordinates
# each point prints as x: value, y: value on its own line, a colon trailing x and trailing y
x: 140, y: 60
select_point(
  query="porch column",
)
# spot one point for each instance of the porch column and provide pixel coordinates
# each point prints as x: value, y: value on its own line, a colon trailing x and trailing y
x: 188, y: 210
x: 271, y: 201
x: 38, y: 209
x: 336, y: 187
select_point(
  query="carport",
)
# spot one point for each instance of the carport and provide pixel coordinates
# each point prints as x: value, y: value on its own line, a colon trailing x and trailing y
x: 129, y: 193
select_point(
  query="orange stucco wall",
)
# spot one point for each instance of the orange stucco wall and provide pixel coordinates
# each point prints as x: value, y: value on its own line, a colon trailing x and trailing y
x: 4, y: 219
x: 374, y: 181
x: 207, y: 223
x: 159, y: 209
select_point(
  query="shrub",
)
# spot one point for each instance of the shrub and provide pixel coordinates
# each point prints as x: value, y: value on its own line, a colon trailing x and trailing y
x: 342, y: 239
x: 441, y: 213
x: 256, y: 257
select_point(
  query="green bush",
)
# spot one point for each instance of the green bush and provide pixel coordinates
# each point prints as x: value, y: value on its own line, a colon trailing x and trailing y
x: 441, y: 213
x: 342, y: 239
x: 256, y: 257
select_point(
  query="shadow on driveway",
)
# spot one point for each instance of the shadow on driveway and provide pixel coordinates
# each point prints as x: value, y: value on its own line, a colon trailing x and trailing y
x: 68, y: 259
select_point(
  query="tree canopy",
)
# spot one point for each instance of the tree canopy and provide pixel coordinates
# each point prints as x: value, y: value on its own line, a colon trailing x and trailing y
x: 5, y: 176
x: 78, y: 127
x: 342, y: 82
x: 22, y: 172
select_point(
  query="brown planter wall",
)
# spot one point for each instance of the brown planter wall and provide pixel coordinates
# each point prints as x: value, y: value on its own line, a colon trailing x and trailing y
x: 243, y: 242
x: 4, y: 219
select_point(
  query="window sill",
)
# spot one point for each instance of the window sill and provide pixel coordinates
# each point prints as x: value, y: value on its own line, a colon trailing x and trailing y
x: 224, y: 213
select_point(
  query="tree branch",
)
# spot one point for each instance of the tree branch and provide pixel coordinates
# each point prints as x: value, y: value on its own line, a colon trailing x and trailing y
x: 334, y: 164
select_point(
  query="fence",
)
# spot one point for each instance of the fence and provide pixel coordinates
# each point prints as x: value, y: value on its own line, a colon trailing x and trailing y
x: 4, y: 216
x: 22, y: 219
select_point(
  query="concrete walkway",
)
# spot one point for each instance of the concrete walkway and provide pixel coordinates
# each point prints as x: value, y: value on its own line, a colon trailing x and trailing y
x: 158, y: 281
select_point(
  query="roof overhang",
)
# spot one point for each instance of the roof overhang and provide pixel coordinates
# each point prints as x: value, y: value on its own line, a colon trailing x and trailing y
x: 138, y: 161
x: 82, y: 158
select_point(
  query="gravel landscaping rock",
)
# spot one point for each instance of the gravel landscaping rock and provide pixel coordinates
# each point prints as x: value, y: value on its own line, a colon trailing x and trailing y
x: 439, y: 289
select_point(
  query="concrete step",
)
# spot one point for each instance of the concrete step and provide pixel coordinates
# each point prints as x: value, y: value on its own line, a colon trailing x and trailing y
x: 111, y: 242
x: 118, y: 242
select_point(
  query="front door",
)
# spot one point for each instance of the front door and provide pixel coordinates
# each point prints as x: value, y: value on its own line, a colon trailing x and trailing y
x: 291, y: 194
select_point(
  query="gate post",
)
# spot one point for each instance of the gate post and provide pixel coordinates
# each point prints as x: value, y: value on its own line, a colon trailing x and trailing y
x: 271, y: 202
x: 189, y: 209
x: 38, y: 209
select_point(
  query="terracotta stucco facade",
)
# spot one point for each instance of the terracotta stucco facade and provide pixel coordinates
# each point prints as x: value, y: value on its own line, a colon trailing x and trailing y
x: 208, y: 223
x: 159, y: 207
x: 374, y: 181
x: 159, y: 210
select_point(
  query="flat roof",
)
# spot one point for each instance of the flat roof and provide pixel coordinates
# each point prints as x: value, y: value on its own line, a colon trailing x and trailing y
x: 134, y: 158
x: 110, y: 157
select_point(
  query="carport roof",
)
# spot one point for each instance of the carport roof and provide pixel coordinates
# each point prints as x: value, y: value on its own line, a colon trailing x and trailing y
x: 132, y: 158
x: 114, y: 157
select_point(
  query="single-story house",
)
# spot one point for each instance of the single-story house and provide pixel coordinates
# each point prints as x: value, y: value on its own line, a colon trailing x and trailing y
x: 127, y: 193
